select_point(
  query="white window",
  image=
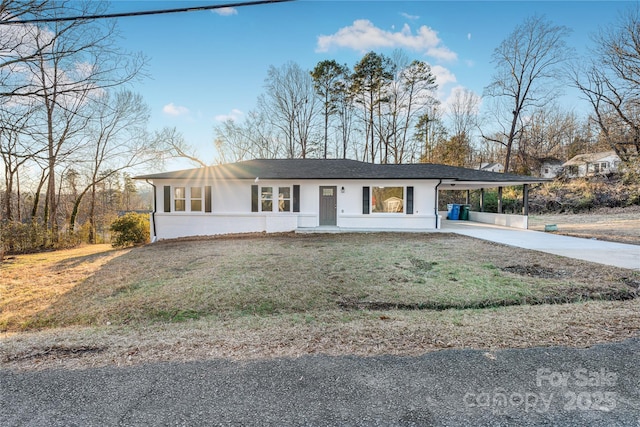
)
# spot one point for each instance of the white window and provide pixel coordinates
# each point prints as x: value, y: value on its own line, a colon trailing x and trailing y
x: 196, y: 199
x: 284, y: 199
x: 179, y: 199
x: 266, y: 198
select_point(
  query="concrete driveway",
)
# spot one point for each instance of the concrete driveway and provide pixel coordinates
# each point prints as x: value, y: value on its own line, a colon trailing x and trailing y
x: 598, y: 251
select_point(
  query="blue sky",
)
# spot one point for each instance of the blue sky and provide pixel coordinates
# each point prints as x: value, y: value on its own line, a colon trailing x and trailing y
x: 206, y: 66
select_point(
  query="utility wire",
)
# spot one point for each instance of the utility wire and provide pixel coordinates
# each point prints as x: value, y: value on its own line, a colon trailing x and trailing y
x: 141, y: 13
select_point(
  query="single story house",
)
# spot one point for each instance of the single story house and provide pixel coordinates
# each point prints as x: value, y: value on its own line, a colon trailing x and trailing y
x: 279, y: 195
x: 490, y: 167
x: 550, y: 167
x: 592, y: 164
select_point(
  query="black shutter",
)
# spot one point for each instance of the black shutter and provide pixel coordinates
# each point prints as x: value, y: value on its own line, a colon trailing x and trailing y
x: 167, y: 198
x: 409, y: 200
x: 254, y: 198
x: 207, y: 198
x: 365, y: 200
x: 296, y: 198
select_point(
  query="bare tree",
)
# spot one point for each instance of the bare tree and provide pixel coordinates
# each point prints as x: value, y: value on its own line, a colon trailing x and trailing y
x: 176, y: 146
x: 463, y: 115
x: 463, y: 112
x: 528, y: 68
x: 610, y: 82
x: 15, y: 154
x: 291, y: 103
x: 70, y: 64
x: 17, y: 43
x: 116, y: 142
x: 409, y: 95
x: 252, y: 138
x: 548, y: 134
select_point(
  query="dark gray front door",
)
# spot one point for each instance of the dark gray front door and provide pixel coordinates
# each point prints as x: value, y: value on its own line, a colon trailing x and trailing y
x: 328, y: 205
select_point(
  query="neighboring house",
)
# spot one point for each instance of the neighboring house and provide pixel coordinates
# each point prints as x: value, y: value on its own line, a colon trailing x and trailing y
x: 490, y: 167
x: 290, y: 194
x: 550, y: 168
x: 592, y: 164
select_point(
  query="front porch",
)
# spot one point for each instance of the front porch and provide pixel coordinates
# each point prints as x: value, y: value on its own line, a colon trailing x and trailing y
x: 480, y: 219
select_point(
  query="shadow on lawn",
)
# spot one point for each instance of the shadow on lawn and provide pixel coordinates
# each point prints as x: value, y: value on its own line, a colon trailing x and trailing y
x: 79, y: 260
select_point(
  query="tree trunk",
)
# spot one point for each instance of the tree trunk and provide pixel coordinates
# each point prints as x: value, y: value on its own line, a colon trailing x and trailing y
x: 510, y: 140
x: 92, y: 215
x: 36, y: 198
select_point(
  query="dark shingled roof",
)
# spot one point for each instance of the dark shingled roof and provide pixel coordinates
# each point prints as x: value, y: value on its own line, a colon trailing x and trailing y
x: 337, y: 169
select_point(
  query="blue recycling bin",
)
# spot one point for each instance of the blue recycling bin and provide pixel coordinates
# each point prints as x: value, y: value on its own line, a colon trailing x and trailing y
x: 455, y: 212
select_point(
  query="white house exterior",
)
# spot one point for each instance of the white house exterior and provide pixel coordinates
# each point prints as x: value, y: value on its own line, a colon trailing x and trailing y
x: 550, y: 168
x: 592, y: 164
x: 291, y: 194
x: 491, y: 167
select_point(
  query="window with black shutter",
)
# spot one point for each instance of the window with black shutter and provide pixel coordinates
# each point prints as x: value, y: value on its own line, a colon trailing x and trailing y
x: 296, y: 198
x: 409, y: 200
x: 167, y: 198
x: 365, y: 200
x: 207, y: 198
x: 254, y: 198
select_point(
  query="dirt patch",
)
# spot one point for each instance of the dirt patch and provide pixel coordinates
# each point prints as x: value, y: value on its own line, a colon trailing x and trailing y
x: 53, y: 352
x: 359, y: 333
x: 535, y: 270
x: 632, y: 283
x: 568, y: 295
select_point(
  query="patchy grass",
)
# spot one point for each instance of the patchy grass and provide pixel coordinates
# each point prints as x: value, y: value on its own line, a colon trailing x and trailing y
x: 30, y: 284
x: 611, y: 224
x: 226, y: 278
x: 297, y: 294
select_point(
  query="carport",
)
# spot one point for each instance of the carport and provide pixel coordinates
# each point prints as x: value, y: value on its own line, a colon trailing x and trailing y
x: 498, y: 181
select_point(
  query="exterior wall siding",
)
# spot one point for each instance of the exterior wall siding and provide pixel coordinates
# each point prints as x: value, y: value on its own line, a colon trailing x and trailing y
x: 231, y: 208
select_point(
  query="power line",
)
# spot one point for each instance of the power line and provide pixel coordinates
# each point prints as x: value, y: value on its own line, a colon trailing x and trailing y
x: 141, y: 13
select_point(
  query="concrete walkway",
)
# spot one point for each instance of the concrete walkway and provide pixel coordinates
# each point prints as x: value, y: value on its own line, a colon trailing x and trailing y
x: 598, y: 251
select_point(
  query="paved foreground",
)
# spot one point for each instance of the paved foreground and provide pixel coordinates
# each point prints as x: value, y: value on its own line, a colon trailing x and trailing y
x: 557, y: 386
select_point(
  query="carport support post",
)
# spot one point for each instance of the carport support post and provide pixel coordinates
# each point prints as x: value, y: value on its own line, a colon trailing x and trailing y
x: 525, y: 199
x: 468, y: 199
x: 482, y: 200
x: 499, y: 200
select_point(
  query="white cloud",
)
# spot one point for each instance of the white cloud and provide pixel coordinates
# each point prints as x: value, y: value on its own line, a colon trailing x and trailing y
x: 443, y: 75
x: 461, y: 92
x: 409, y: 17
x: 84, y: 70
x: 234, y: 115
x: 363, y: 36
x: 468, y: 36
x: 226, y: 11
x: 175, y: 110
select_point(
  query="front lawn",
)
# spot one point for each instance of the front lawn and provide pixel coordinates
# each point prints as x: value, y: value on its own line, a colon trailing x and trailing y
x: 406, y: 291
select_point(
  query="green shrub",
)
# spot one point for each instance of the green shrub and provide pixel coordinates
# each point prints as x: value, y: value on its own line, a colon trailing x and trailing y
x: 21, y: 238
x: 129, y: 230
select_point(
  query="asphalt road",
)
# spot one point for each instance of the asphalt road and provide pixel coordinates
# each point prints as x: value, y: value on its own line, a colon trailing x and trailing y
x: 599, y: 386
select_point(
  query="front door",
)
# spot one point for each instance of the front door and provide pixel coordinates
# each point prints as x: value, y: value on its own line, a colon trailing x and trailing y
x: 328, y: 205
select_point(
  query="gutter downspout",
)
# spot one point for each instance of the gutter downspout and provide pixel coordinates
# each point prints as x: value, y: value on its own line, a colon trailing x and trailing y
x: 436, y: 205
x: 154, y: 238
